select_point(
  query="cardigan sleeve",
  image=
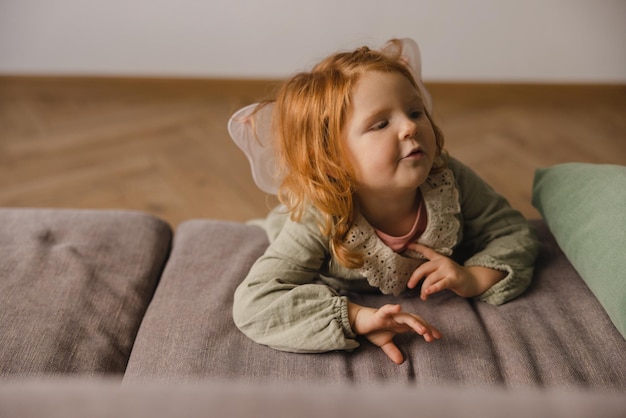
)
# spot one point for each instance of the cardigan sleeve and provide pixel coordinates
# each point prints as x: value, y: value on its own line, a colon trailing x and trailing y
x: 495, y: 236
x: 279, y: 303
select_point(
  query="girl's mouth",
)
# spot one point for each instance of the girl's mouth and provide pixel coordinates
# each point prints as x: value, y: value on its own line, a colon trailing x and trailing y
x: 414, y: 154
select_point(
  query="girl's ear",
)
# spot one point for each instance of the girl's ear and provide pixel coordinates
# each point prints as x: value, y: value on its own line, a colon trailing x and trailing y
x: 409, y: 53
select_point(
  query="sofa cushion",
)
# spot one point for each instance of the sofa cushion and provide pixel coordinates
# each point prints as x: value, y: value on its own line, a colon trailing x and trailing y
x: 585, y: 207
x: 78, y: 398
x: 188, y: 329
x: 74, y: 285
x: 554, y: 335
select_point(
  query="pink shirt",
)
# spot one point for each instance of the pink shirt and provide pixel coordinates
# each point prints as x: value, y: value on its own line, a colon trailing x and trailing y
x: 398, y: 244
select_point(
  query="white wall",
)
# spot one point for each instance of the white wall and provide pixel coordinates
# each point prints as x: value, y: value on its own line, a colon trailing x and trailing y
x: 461, y: 40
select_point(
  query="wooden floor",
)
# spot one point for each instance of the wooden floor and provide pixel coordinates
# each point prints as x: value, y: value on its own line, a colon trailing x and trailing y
x: 162, y: 146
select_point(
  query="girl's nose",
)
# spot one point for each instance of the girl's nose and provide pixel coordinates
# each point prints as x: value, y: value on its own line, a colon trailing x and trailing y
x: 409, y: 129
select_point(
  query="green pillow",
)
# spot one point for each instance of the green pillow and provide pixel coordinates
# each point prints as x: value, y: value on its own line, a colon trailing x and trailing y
x: 584, y: 205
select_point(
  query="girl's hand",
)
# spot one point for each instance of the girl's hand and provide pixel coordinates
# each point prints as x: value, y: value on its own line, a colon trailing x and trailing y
x: 380, y: 326
x: 441, y: 272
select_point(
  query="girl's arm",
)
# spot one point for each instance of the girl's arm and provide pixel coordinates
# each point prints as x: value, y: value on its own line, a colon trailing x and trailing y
x: 279, y: 303
x: 495, y: 236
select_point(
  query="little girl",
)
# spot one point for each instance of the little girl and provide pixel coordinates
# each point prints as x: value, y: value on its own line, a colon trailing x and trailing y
x: 371, y: 201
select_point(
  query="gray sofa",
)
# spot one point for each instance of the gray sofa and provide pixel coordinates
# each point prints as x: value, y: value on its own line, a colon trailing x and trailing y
x: 112, y: 313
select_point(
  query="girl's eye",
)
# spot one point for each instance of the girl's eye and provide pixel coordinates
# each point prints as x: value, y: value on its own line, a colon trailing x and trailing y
x: 415, y: 114
x: 379, y: 125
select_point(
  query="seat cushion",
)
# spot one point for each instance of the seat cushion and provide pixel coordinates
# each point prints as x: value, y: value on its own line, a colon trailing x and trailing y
x: 554, y: 335
x: 74, y: 285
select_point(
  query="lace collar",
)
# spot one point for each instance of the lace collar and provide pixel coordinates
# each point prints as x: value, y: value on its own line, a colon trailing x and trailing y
x: 390, y: 271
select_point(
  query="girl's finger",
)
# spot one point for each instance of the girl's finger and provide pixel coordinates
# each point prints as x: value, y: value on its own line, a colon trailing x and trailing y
x: 427, y: 252
x: 434, y: 334
x: 393, y: 352
x: 434, y: 283
x: 414, y: 279
x: 424, y: 329
x: 390, y: 309
x: 415, y: 323
x: 421, y: 272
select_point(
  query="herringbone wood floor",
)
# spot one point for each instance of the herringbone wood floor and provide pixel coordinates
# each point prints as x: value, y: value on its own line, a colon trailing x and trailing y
x: 162, y: 146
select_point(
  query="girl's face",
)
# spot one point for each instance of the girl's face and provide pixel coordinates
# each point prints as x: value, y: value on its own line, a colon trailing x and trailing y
x: 389, y: 139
